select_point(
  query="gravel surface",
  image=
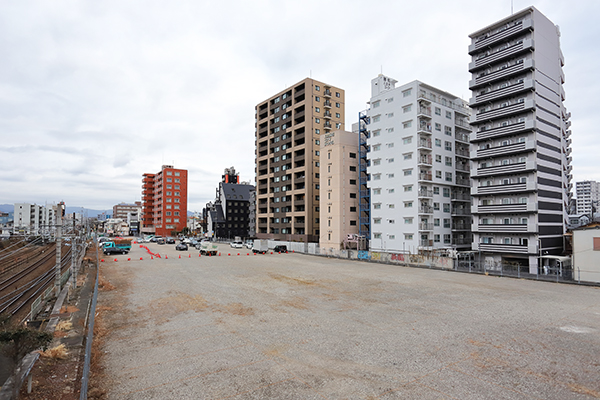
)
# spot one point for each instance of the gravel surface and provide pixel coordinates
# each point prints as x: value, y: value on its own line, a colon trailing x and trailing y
x: 292, y: 326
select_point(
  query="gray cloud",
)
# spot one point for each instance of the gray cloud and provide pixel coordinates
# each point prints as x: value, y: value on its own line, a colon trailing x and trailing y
x: 94, y: 94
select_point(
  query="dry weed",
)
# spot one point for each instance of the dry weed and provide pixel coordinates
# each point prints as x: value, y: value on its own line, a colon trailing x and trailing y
x: 104, y: 284
x: 56, y: 353
x: 64, y: 325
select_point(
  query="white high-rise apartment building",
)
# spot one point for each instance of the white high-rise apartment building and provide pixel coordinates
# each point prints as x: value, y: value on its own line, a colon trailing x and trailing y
x: 588, y: 197
x: 520, y: 145
x: 418, y: 168
x: 34, y: 219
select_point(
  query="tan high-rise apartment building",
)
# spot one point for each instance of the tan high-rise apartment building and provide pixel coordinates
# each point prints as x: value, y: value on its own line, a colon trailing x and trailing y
x: 339, y: 190
x: 287, y: 130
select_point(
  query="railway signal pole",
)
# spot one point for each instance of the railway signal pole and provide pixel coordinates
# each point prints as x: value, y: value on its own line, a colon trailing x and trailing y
x: 59, y: 214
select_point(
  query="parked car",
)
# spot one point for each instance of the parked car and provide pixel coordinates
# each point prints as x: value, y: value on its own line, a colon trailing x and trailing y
x: 181, y: 247
x: 160, y: 241
x: 249, y: 244
x: 236, y: 245
x: 155, y: 239
x: 280, y: 249
x: 170, y: 240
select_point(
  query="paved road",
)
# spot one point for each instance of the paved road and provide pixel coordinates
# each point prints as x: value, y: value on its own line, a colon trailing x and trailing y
x: 292, y: 326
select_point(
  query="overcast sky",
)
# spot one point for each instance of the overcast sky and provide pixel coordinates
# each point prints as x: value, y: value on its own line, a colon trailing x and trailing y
x: 95, y: 93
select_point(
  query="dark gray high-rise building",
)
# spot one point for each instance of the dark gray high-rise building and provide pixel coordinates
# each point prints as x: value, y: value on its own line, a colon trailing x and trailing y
x: 520, y: 147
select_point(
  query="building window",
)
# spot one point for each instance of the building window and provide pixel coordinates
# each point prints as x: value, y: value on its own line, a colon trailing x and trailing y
x: 376, y: 104
x: 438, y: 142
x: 406, y: 93
x: 317, y: 88
x: 438, y: 127
x: 407, y: 108
x: 438, y: 111
x: 448, y: 146
x: 317, y: 120
x: 407, y: 140
x: 317, y: 109
x: 406, y: 124
x: 408, y: 172
x: 408, y: 236
x: 449, y: 114
x: 408, y: 204
x: 352, y: 155
x: 407, y: 156
x: 353, y: 181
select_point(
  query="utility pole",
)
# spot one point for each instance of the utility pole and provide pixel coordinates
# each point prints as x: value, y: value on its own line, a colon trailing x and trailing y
x: 58, y: 248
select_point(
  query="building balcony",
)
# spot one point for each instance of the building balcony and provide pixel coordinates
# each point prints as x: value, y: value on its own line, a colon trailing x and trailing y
x: 424, y: 144
x: 508, y: 91
x: 463, y: 182
x: 425, y: 226
x: 460, y: 196
x: 505, y: 248
x: 425, y: 210
x: 516, y: 168
x: 425, y: 177
x: 424, y: 128
x: 462, y: 123
x: 509, y: 149
x: 461, y: 210
x: 500, y: 131
x: 461, y: 227
x: 327, y: 93
x: 426, y: 243
x: 462, y: 167
x: 327, y: 104
x: 424, y: 160
x: 425, y: 193
x: 503, y: 189
x: 462, y: 153
x: 502, y: 74
x: 327, y: 125
x: 424, y: 112
x: 505, y: 111
x: 505, y: 228
x: 510, y: 32
x: 525, y: 46
x: 462, y: 241
x: 504, y: 208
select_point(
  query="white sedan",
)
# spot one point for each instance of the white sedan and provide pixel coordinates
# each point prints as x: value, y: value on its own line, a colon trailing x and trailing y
x: 236, y: 245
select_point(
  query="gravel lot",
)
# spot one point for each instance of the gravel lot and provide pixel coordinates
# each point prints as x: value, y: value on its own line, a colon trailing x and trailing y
x: 292, y: 326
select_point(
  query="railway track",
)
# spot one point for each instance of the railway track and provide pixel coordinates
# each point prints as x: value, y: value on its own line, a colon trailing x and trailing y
x: 21, y: 287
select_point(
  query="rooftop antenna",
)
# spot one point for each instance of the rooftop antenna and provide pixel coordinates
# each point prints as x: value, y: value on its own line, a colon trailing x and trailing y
x: 511, y: 7
x: 311, y: 74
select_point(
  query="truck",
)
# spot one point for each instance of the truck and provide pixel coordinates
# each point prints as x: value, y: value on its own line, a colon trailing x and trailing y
x: 117, y: 246
x: 208, y: 248
x: 260, y: 246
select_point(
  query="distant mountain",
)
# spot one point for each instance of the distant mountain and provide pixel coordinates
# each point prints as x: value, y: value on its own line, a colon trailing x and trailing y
x: 90, y: 213
x: 7, y: 207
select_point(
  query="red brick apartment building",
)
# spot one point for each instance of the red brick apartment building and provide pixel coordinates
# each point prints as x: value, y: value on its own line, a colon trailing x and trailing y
x: 164, y: 198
